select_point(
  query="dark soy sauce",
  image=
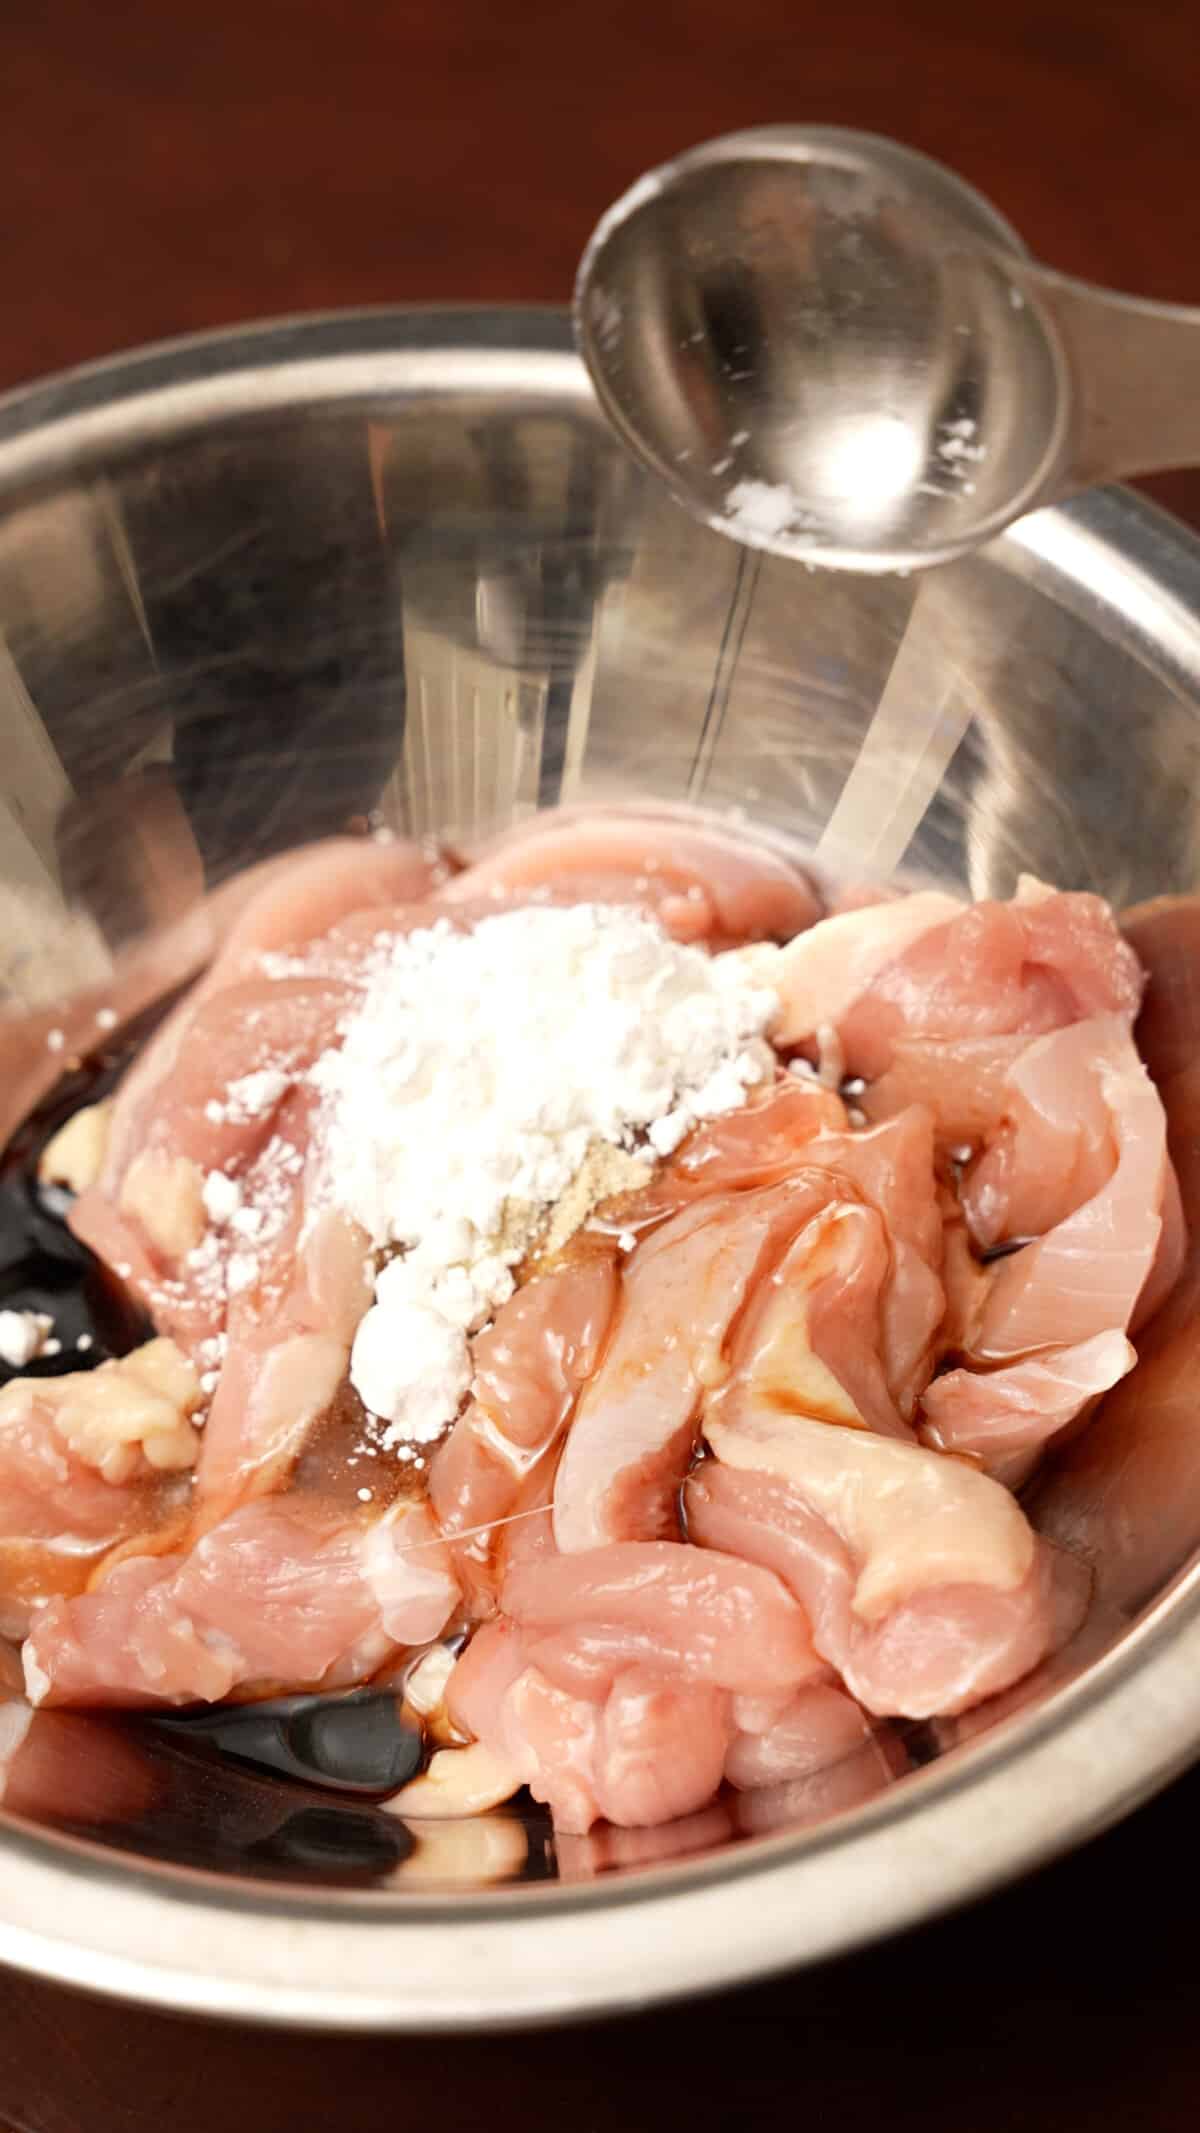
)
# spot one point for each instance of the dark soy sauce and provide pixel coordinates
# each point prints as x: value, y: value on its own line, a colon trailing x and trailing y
x: 42, y: 1266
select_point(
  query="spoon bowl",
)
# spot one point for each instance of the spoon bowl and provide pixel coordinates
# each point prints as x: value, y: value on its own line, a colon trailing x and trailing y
x: 825, y: 345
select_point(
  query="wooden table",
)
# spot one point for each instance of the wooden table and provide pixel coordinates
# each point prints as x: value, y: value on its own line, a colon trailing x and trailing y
x: 172, y: 168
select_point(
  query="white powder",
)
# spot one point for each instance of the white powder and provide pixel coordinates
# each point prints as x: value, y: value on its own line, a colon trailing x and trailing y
x: 24, y: 1335
x: 222, y: 1198
x: 759, y: 511
x: 275, y: 965
x: 248, y: 1098
x: 470, y: 1086
x: 241, y: 1272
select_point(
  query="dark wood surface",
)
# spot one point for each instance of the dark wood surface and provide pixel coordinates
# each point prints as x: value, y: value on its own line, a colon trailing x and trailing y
x: 176, y: 167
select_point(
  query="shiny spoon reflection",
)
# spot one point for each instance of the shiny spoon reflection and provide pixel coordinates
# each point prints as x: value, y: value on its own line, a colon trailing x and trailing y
x: 832, y: 348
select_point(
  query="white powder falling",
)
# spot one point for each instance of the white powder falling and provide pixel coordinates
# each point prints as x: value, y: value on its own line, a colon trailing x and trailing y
x: 471, y: 1084
x: 761, y: 514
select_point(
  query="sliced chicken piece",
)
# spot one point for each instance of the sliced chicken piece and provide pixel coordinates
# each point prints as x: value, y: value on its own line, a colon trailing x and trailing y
x: 1053, y: 1144
x: 288, y: 1333
x: 1082, y: 1152
x: 961, y: 1080
x: 59, y: 1515
x: 646, y: 1749
x: 965, y: 1279
x: 529, y: 1365
x: 761, y: 1143
x: 809, y: 1339
x: 704, y: 883
x: 682, y: 1611
x: 266, y: 1305
x: 246, y: 1048
x: 1086, y: 1274
x: 204, y: 1097
x: 315, y: 892
x: 551, y: 1739
x: 892, y: 1166
x: 817, y: 1727
x: 482, y: 1677
x: 924, y: 967
x: 996, y: 1415
x: 634, y: 1425
x: 277, y: 1593
x: 823, y: 976
x: 290, y: 903
x: 130, y: 1418
x: 215, y: 1115
x: 661, y: 1749
x: 528, y: 1534
x: 1126, y: 1493
x: 921, y: 1577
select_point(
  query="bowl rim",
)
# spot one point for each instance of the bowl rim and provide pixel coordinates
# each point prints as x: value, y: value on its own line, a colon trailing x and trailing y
x: 77, y: 1913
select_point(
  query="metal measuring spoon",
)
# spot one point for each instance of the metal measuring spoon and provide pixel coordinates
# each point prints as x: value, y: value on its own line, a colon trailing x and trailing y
x: 830, y: 347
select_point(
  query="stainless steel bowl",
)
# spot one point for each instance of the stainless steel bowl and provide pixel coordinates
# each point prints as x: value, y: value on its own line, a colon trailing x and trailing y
x: 256, y: 586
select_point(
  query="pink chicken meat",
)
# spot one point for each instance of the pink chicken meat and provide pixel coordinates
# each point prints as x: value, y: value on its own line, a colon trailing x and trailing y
x: 727, y: 1492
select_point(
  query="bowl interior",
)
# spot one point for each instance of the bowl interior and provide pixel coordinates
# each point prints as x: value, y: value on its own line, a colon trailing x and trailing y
x: 394, y: 572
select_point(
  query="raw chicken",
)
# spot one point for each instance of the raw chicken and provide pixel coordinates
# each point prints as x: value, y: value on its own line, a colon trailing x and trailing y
x: 704, y: 883
x: 758, y: 1144
x: 529, y: 1365
x: 287, y: 1593
x: 927, y: 968
x: 296, y: 902
x: 996, y: 1414
x: 1083, y: 1154
x: 812, y: 1730
x: 918, y: 1574
x: 822, y: 977
x: 634, y: 1427
x: 893, y: 1168
x: 910, y: 1633
x: 798, y: 1123
x: 646, y: 1750
x: 707, y: 1618
x: 605, y: 1686
x: 684, y: 1507
x: 59, y: 1516
x: 1085, y: 1275
x: 1126, y: 1494
x: 287, y: 1331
